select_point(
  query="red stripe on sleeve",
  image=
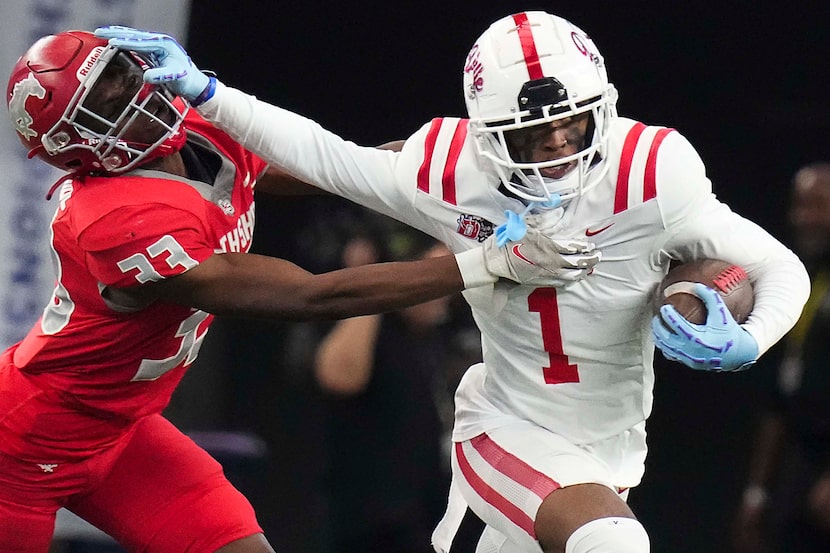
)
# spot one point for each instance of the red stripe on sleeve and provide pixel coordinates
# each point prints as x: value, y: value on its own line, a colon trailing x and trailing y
x: 491, y: 496
x: 448, y: 178
x: 429, y: 150
x: 630, y: 144
x: 534, y: 68
x: 650, y: 184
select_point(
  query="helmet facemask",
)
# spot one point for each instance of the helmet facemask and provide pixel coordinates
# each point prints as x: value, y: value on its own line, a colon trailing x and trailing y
x: 508, y: 145
x: 108, y: 110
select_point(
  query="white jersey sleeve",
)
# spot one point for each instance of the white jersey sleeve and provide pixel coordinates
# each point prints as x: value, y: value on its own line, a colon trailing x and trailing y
x: 365, y: 175
x: 700, y: 226
x: 424, y: 186
x: 305, y: 149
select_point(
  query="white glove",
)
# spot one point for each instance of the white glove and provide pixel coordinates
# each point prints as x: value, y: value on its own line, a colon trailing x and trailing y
x: 534, y: 260
x: 174, y: 67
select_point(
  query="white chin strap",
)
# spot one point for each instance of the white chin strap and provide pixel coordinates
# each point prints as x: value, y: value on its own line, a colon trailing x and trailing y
x: 546, y: 191
x: 567, y: 187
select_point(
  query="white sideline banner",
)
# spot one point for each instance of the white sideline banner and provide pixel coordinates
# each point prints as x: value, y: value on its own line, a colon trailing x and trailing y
x: 26, y: 273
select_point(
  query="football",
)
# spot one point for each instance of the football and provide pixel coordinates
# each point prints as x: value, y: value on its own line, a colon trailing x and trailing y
x: 730, y: 281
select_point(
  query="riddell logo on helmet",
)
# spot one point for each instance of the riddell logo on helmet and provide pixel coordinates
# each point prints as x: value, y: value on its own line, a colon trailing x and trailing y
x: 84, y: 69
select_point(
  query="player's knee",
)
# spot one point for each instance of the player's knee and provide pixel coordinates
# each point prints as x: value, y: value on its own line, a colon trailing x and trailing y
x: 609, y: 535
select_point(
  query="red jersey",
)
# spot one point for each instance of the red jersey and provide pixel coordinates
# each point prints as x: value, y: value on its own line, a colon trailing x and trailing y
x: 100, y: 362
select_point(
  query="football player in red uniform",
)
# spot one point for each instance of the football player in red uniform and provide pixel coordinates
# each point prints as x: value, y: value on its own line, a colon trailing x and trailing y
x: 150, y: 238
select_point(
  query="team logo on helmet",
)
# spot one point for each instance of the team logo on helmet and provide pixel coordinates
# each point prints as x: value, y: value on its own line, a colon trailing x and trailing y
x: 582, y: 45
x: 21, y: 92
x: 473, y: 66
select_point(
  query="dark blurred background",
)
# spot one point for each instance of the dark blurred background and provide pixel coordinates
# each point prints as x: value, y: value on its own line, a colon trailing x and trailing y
x: 746, y: 83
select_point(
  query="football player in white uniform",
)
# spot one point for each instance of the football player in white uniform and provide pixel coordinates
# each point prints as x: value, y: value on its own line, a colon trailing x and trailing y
x: 550, y: 429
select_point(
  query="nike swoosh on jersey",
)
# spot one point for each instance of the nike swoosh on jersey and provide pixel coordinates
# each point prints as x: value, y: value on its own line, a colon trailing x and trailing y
x: 589, y: 232
x: 517, y: 252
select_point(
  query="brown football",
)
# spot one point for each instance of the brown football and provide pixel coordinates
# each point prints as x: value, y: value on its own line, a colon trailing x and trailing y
x: 728, y: 279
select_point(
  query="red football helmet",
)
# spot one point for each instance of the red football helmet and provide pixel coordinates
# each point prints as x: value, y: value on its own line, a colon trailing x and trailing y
x: 61, y: 117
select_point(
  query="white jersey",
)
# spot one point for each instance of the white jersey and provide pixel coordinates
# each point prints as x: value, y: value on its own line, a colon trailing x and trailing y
x: 575, y: 360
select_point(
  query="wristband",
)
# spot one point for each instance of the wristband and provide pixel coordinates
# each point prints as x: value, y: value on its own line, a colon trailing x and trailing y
x: 472, y: 268
x: 206, y: 94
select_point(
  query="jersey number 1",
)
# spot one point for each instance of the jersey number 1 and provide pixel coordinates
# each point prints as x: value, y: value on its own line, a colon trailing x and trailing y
x: 543, y: 302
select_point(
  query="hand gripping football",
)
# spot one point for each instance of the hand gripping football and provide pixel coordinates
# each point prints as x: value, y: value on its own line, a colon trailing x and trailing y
x: 729, y: 280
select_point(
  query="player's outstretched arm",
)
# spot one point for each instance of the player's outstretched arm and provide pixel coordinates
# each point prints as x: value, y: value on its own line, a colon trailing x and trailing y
x: 249, y: 285
x: 277, y: 182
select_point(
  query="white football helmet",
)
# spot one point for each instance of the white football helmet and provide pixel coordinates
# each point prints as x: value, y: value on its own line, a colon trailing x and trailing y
x: 531, y: 69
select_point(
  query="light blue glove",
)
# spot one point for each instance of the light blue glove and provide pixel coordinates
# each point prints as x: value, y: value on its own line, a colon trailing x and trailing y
x: 175, y: 69
x: 515, y: 228
x: 720, y: 344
